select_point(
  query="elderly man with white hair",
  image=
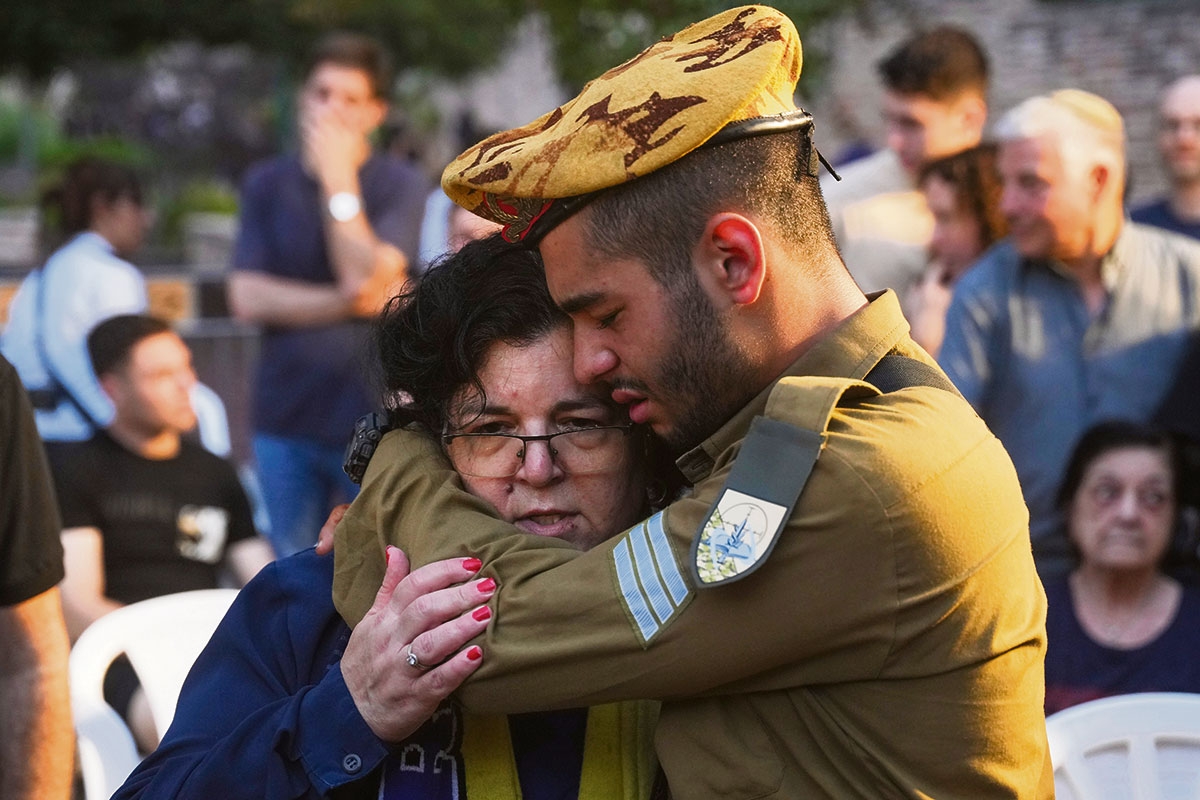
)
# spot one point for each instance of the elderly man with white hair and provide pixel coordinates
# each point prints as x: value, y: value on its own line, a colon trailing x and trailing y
x: 1080, y: 315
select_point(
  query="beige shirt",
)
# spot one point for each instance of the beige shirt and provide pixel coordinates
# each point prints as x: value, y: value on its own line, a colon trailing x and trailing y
x: 882, y: 224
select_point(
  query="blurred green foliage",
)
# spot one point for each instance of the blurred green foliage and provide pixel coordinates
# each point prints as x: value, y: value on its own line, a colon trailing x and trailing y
x: 33, y: 139
x: 51, y: 149
x: 446, y: 37
x: 203, y: 195
x: 590, y: 36
x: 451, y: 37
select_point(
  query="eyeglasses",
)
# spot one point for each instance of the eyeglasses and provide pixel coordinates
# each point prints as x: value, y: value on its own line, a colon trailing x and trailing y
x: 580, y: 451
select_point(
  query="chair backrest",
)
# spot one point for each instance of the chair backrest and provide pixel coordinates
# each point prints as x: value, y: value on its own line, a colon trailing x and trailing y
x: 1136, y: 746
x: 161, y: 637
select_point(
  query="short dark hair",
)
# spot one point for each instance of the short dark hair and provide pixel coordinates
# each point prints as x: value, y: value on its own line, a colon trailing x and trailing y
x: 659, y: 218
x: 976, y: 182
x: 112, y: 341
x: 353, y: 51
x: 1117, y: 434
x: 433, y: 337
x: 83, y: 181
x: 941, y: 63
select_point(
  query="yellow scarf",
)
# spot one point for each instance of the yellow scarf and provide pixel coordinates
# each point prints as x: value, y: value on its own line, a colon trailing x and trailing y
x: 618, y: 755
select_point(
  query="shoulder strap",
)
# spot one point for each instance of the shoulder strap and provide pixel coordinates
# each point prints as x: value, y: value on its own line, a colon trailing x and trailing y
x: 808, y: 401
x: 895, y: 372
x: 39, y: 336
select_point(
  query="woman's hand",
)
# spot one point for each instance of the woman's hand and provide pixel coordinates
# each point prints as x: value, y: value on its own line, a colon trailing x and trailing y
x: 429, y: 613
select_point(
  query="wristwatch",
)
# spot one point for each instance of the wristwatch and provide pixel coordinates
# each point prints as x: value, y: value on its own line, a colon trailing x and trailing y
x: 344, y: 206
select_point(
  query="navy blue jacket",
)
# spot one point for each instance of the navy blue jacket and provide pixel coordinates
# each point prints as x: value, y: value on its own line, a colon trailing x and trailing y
x: 265, y: 712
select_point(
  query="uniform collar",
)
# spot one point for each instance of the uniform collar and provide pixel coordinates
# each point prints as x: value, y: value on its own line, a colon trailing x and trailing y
x: 848, y: 351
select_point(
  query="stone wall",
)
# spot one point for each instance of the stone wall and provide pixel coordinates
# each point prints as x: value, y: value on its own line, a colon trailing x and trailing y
x: 1124, y: 50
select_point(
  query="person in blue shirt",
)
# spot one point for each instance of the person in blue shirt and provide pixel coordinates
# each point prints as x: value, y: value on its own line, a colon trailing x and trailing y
x: 84, y: 282
x: 325, y: 236
x: 286, y: 702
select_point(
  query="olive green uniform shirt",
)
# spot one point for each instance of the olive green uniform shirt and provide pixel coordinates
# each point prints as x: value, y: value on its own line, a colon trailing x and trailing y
x: 891, y: 645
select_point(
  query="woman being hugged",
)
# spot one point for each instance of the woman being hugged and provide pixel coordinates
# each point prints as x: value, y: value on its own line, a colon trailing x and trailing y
x: 286, y: 702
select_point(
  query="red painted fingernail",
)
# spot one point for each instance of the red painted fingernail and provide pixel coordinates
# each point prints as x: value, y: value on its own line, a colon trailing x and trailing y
x: 482, y: 613
x: 474, y: 654
x: 472, y: 564
x: 486, y: 585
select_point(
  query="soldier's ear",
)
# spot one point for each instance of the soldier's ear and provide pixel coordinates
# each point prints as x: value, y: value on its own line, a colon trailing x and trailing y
x: 732, y: 259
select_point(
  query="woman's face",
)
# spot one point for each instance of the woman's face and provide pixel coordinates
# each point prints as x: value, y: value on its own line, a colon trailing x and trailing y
x: 1123, y: 512
x: 957, y: 239
x: 123, y: 221
x: 532, y: 390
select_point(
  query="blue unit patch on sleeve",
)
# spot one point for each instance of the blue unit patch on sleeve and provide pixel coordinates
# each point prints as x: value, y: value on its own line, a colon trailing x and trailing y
x: 652, y: 586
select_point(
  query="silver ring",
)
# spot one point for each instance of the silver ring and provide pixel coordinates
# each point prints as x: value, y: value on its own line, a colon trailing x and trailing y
x: 411, y: 659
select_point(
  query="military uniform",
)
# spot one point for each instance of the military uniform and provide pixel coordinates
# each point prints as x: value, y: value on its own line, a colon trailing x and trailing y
x: 890, y: 646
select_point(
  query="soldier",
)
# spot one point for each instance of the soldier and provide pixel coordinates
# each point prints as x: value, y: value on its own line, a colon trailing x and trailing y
x: 845, y: 605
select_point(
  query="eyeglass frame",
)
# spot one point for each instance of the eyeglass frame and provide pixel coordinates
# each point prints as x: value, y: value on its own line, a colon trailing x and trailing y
x: 625, y: 428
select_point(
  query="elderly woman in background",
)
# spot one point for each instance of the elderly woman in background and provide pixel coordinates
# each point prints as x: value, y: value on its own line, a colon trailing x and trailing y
x: 1118, y: 623
x: 963, y: 195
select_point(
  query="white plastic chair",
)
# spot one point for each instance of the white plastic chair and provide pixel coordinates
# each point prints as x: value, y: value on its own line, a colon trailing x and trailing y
x: 1130, y: 747
x: 161, y: 637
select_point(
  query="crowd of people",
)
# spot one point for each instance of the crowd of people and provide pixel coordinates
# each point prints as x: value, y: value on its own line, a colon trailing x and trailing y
x: 703, y: 474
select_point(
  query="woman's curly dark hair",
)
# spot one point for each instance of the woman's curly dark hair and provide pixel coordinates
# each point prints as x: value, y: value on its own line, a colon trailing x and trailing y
x: 432, y: 338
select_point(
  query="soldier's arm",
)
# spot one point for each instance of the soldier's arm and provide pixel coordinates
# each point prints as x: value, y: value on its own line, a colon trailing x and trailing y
x: 623, y: 620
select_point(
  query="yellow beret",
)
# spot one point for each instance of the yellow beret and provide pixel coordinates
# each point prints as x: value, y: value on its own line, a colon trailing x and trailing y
x: 735, y: 73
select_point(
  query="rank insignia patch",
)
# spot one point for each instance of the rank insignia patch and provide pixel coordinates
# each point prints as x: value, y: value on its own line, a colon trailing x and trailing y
x: 737, y: 535
x: 652, y: 585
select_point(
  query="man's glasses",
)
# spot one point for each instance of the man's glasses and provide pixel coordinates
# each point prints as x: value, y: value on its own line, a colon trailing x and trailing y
x: 580, y: 451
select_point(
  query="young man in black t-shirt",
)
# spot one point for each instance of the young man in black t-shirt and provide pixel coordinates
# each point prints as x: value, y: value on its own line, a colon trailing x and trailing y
x: 145, y: 511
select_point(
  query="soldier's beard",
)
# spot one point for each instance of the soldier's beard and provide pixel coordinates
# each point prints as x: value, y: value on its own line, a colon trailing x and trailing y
x: 706, y: 377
